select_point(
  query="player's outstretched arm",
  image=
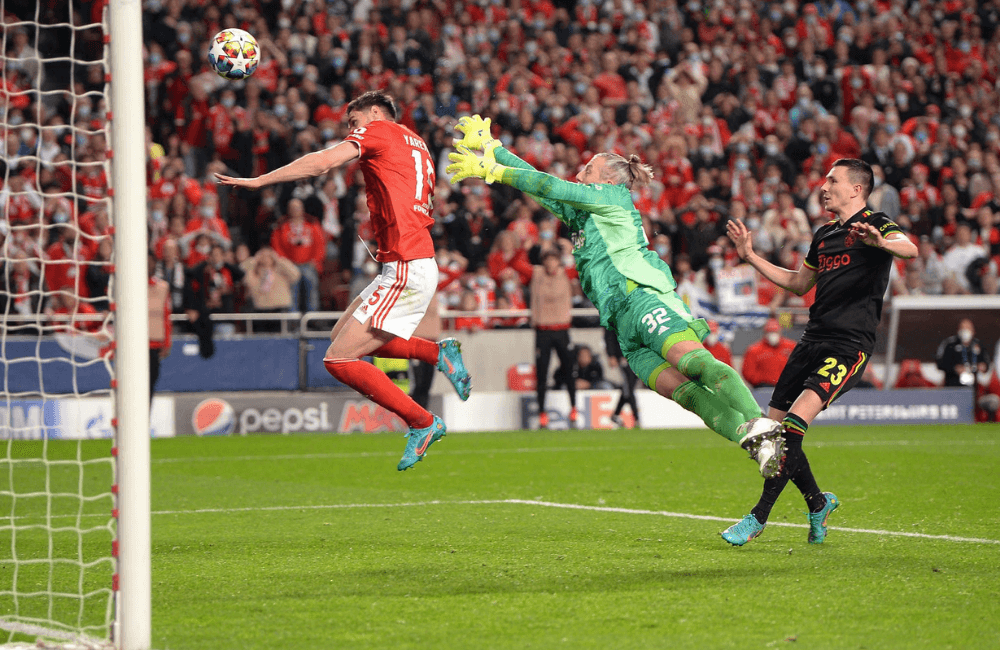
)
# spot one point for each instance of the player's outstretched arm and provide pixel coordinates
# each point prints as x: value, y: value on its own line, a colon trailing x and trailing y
x: 508, y: 158
x: 308, y: 166
x: 798, y: 282
x: 590, y: 198
x: 476, y: 136
x: 896, y: 243
x: 465, y: 164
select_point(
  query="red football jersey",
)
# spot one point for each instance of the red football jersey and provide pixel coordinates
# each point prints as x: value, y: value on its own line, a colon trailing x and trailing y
x: 399, y: 181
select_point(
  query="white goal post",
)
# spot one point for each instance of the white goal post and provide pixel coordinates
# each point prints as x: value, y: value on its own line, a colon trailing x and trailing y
x: 75, y: 540
x: 132, y: 628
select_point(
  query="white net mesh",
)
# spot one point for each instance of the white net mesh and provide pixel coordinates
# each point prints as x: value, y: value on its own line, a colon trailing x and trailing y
x: 57, y: 525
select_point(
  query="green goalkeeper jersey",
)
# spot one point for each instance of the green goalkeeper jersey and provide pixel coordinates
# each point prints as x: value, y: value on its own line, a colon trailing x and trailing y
x: 610, y: 247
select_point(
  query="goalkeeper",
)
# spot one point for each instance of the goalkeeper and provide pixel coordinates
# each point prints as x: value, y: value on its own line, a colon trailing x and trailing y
x: 630, y: 285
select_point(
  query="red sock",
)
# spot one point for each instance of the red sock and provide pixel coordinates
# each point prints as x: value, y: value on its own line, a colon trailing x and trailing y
x: 415, y: 348
x: 376, y: 386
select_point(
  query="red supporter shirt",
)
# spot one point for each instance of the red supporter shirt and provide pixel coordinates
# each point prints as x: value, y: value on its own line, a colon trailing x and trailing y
x: 399, y: 181
x: 93, y: 183
x: 762, y: 364
x: 213, y: 224
x: 23, y: 208
x: 610, y: 85
x: 63, y: 269
x: 721, y: 352
x: 301, y: 243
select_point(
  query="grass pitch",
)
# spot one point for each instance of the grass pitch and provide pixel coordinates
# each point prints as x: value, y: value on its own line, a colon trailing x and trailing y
x: 573, y: 539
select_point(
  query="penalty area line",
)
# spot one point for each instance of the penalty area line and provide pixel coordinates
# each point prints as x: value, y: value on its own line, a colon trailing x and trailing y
x: 571, y: 506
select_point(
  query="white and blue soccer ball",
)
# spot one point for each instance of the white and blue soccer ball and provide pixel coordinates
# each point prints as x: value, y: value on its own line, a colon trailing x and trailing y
x: 234, y: 54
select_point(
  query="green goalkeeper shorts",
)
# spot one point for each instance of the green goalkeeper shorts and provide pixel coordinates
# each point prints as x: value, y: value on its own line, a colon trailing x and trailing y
x: 649, y: 324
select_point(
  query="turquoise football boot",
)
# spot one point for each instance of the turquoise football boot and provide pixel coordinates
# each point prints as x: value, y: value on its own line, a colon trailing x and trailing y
x: 419, y: 440
x: 451, y: 364
x: 743, y: 531
x: 817, y: 520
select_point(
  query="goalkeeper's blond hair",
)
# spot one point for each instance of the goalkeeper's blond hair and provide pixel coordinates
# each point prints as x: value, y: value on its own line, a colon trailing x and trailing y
x: 629, y: 172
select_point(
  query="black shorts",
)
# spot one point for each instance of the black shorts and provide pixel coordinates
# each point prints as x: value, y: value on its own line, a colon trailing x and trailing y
x: 829, y: 369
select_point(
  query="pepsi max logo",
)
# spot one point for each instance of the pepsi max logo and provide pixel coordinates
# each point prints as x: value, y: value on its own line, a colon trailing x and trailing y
x: 213, y: 417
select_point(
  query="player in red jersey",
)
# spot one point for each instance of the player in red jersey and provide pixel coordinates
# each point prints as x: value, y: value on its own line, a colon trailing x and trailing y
x: 399, y: 179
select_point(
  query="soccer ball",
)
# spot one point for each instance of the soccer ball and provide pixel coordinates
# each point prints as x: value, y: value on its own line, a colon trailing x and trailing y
x: 234, y: 54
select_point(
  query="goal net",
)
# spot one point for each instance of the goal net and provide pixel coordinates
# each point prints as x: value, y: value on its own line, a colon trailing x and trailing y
x: 59, y: 402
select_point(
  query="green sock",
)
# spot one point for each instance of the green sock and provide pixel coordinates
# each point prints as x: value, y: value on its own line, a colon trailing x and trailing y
x: 700, y: 366
x: 712, y: 410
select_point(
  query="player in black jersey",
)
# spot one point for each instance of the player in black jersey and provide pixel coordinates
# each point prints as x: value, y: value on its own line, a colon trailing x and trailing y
x: 849, y: 262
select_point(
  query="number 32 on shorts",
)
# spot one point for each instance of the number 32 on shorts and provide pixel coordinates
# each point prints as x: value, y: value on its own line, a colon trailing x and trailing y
x: 658, y: 316
x: 832, y: 370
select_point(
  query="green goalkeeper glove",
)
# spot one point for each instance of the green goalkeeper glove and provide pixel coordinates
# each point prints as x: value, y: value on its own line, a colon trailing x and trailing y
x: 475, y: 134
x: 466, y: 164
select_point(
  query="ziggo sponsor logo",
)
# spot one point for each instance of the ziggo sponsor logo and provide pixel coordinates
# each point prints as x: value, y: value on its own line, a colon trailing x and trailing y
x: 831, y: 262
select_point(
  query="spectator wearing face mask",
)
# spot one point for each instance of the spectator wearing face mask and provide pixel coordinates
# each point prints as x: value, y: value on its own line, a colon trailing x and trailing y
x: 961, y: 356
x: 765, y: 359
x: 228, y: 122
x: 213, y: 282
x: 206, y: 220
x: 919, y: 189
x: 884, y: 198
x: 661, y: 245
x: 301, y: 240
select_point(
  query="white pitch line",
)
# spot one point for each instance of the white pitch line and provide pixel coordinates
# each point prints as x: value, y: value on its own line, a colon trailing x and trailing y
x: 573, y: 506
x: 532, y: 502
x: 560, y: 450
x: 334, y: 506
x: 684, y: 515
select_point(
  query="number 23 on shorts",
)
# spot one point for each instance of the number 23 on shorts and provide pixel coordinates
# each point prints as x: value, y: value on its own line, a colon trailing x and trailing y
x: 833, y: 370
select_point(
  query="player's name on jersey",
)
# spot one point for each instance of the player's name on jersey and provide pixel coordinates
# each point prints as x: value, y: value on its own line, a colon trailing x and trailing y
x: 415, y: 142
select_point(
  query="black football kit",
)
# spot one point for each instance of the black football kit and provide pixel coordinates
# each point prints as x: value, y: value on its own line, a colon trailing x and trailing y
x: 851, y: 281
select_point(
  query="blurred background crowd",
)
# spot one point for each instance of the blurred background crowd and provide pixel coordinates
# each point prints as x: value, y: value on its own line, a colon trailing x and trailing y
x: 739, y: 106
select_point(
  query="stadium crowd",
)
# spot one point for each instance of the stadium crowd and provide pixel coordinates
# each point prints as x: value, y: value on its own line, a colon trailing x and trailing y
x: 739, y: 106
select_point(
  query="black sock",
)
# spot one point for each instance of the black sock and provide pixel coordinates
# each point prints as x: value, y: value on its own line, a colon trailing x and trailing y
x: 795, y: 424
x: 795, y: 428
x: 772, y: 490
x: 801, y: 474
x: 806, y: 482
